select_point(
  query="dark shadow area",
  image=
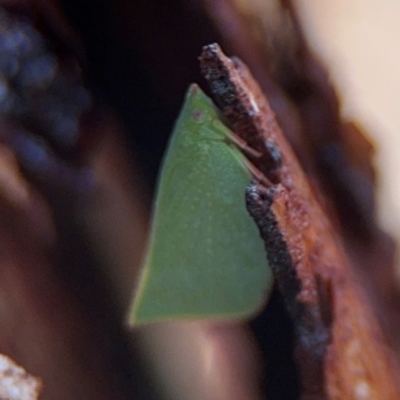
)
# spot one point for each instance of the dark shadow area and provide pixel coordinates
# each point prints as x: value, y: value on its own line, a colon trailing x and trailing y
x: 273, y: 330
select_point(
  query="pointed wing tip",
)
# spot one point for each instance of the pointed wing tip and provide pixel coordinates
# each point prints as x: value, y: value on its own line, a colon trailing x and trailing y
x: 137, y: 317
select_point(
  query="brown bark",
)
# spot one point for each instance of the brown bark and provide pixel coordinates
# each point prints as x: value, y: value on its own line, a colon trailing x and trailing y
x: 341, y: 349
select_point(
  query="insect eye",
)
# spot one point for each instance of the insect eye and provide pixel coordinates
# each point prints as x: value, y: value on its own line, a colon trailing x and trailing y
x: 198, y: 115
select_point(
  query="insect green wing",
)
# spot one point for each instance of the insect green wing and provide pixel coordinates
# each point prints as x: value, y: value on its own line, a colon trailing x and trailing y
x: 205, y: 257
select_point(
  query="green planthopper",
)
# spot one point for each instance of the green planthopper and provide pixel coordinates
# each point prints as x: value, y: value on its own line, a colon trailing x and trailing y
x: 205, y: 258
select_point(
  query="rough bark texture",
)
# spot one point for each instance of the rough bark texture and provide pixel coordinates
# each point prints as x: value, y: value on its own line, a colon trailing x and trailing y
x: 341, y: 349
x: 328, y: 254
x: 298, y: 86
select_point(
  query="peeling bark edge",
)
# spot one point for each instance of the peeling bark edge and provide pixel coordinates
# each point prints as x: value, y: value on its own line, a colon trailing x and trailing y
x: 259, y: 202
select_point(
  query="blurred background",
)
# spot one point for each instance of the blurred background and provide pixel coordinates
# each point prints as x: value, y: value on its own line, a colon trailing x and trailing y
x: 71, y: 255
x: 359, y: 43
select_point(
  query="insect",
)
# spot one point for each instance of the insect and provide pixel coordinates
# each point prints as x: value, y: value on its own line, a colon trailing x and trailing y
x: 205, y: 257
